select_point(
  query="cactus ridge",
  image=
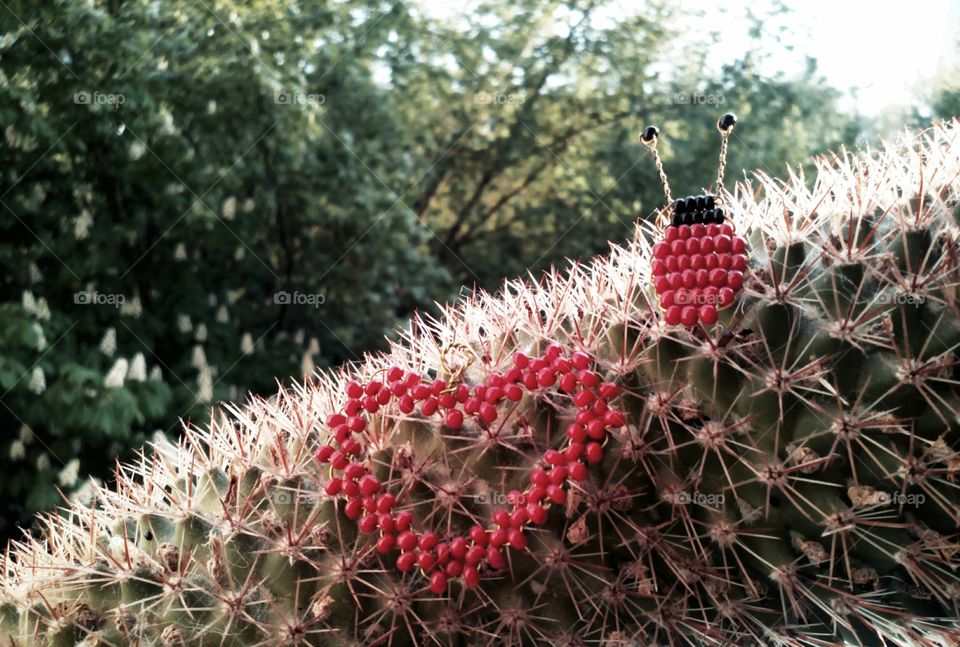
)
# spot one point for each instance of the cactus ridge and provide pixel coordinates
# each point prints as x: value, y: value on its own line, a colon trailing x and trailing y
x: 786, y: 477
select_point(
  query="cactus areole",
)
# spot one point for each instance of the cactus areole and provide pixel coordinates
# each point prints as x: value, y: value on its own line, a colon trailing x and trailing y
x: 562, y: 463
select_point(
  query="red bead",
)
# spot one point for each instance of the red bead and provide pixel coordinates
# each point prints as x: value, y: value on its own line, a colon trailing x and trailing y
x: 556, y: 494
x: 546, y: 377
x: 584, y: 399
x: 689, y: 279
x: 683, y: 231
x: 338, y: 460
x: 661, y: 250
x: 697, y: 262
x: 608, y: 390
x: 454, y: 419
x: 703, y: 278
x: 713, y: 230
x: 517, y: 539
x: 588, y: 378
x: 693, y: 245
x: 697, y: 230
x: 369, y: 523
x: 577, y: 433
x: 710, y: 262
x: 458, y: 548
x: 386, y: 524
x: 411, y: 380
x: 406, y: 404
x: 706, y: 245
x: 474, y: 555
x: 614, y: 419
x: 463, y: 391
x: 404, y: 519
x: 553, y: 351
x: 426, y: 560
x: 725, y: 297
x: 672, y: 315
x: 471, y: 406
x: 573, y: 451
x: 735, y: 280
x: 454, y: 568
x: 689, y: 316
x: 594, y: 452
x: 514, y: 392
x: 471, y: 578
x: 354, y: 471
x: 658, y: 268
x: 597, y: 429
x: 495, y: 558
x: 488, y: 412
x: 722, y: 243
x: 369, y: 504
x: 342, y: 433
x: 726, y: 229
x: 502, y: 518
x: 708, y: 314
x: 530, y: 381
x: 683, y: 262
x: 372, y: 387
x: 406, y: 561
x: 369, y: 485
x: 438, y: 583
x: 578, y: 471
x: 335, y: 420
x: 739, y: 263
x: 518, y: 518
x: 333, y: 487
x: 323, y: 454
x: 353, y: 509
x: 383, y: 396
x: 718, y: 277
x: 667, y: 298
x: 676, y: 281
x: 537, y: 514
x: 351, y: 489
x: 568, y: 382
x: 672, y: 265
x: 678, y: 247
x: 438, y: 387
x: 429, y: 406
x: 558, y: 475
x: 448, y: 401
x: 386, y: 544
x: 580, y: 360
x: 394, y: 373
x: 724, y: 261
x: 738, y: 245
x: 670, y: 234
x: 599, y: 407
x: 407, y: 541
x: 354, y: 390
x: 553, y: 457
x: 520, y: 360
x: 428, y: 540
x: 478, y: 536
x: 421, y: 392
x: 499, y: 537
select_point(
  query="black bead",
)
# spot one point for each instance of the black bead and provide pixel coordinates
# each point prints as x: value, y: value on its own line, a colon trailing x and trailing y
x: 698, y: 217
x: 718, y: 218
x: 677, y: 219
x: 711, y: 201
x: 688, y: 218
x: 701, y: 203
x: 679, y: 206
x: 649, y: 134
x: 726, y: 123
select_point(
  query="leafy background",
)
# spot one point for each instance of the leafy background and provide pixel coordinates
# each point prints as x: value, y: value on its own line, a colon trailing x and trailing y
x: 199, y: 198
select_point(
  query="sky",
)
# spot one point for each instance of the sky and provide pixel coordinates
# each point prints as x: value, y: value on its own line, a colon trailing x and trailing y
x: 881, y: 54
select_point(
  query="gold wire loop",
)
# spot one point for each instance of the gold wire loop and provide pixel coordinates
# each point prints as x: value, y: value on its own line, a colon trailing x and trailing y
x: 649, y: 138
x: 456, y: 374
x: 725, y: 125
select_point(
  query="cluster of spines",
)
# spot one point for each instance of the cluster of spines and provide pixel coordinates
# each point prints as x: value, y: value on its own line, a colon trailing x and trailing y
x: 466, y: 556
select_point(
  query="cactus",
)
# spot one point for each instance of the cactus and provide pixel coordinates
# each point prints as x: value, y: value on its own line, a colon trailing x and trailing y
x: 785, y: 477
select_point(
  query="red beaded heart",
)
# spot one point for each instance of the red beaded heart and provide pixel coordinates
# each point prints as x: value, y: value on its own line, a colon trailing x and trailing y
x: 442, y: 558
x: 697, y: 268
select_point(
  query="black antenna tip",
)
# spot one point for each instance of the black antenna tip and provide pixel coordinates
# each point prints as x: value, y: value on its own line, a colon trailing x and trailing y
x: 726, y: 123
x: 649, y: 135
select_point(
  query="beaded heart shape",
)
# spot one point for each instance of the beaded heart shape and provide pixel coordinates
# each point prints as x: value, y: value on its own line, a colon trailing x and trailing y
x: 442, y: 558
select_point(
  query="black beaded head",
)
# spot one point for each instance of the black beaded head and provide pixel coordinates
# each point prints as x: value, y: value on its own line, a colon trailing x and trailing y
x: 703, y: 209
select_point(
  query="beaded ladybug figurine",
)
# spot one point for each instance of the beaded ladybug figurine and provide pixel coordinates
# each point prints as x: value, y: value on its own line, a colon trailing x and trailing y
x: 699, y: 264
